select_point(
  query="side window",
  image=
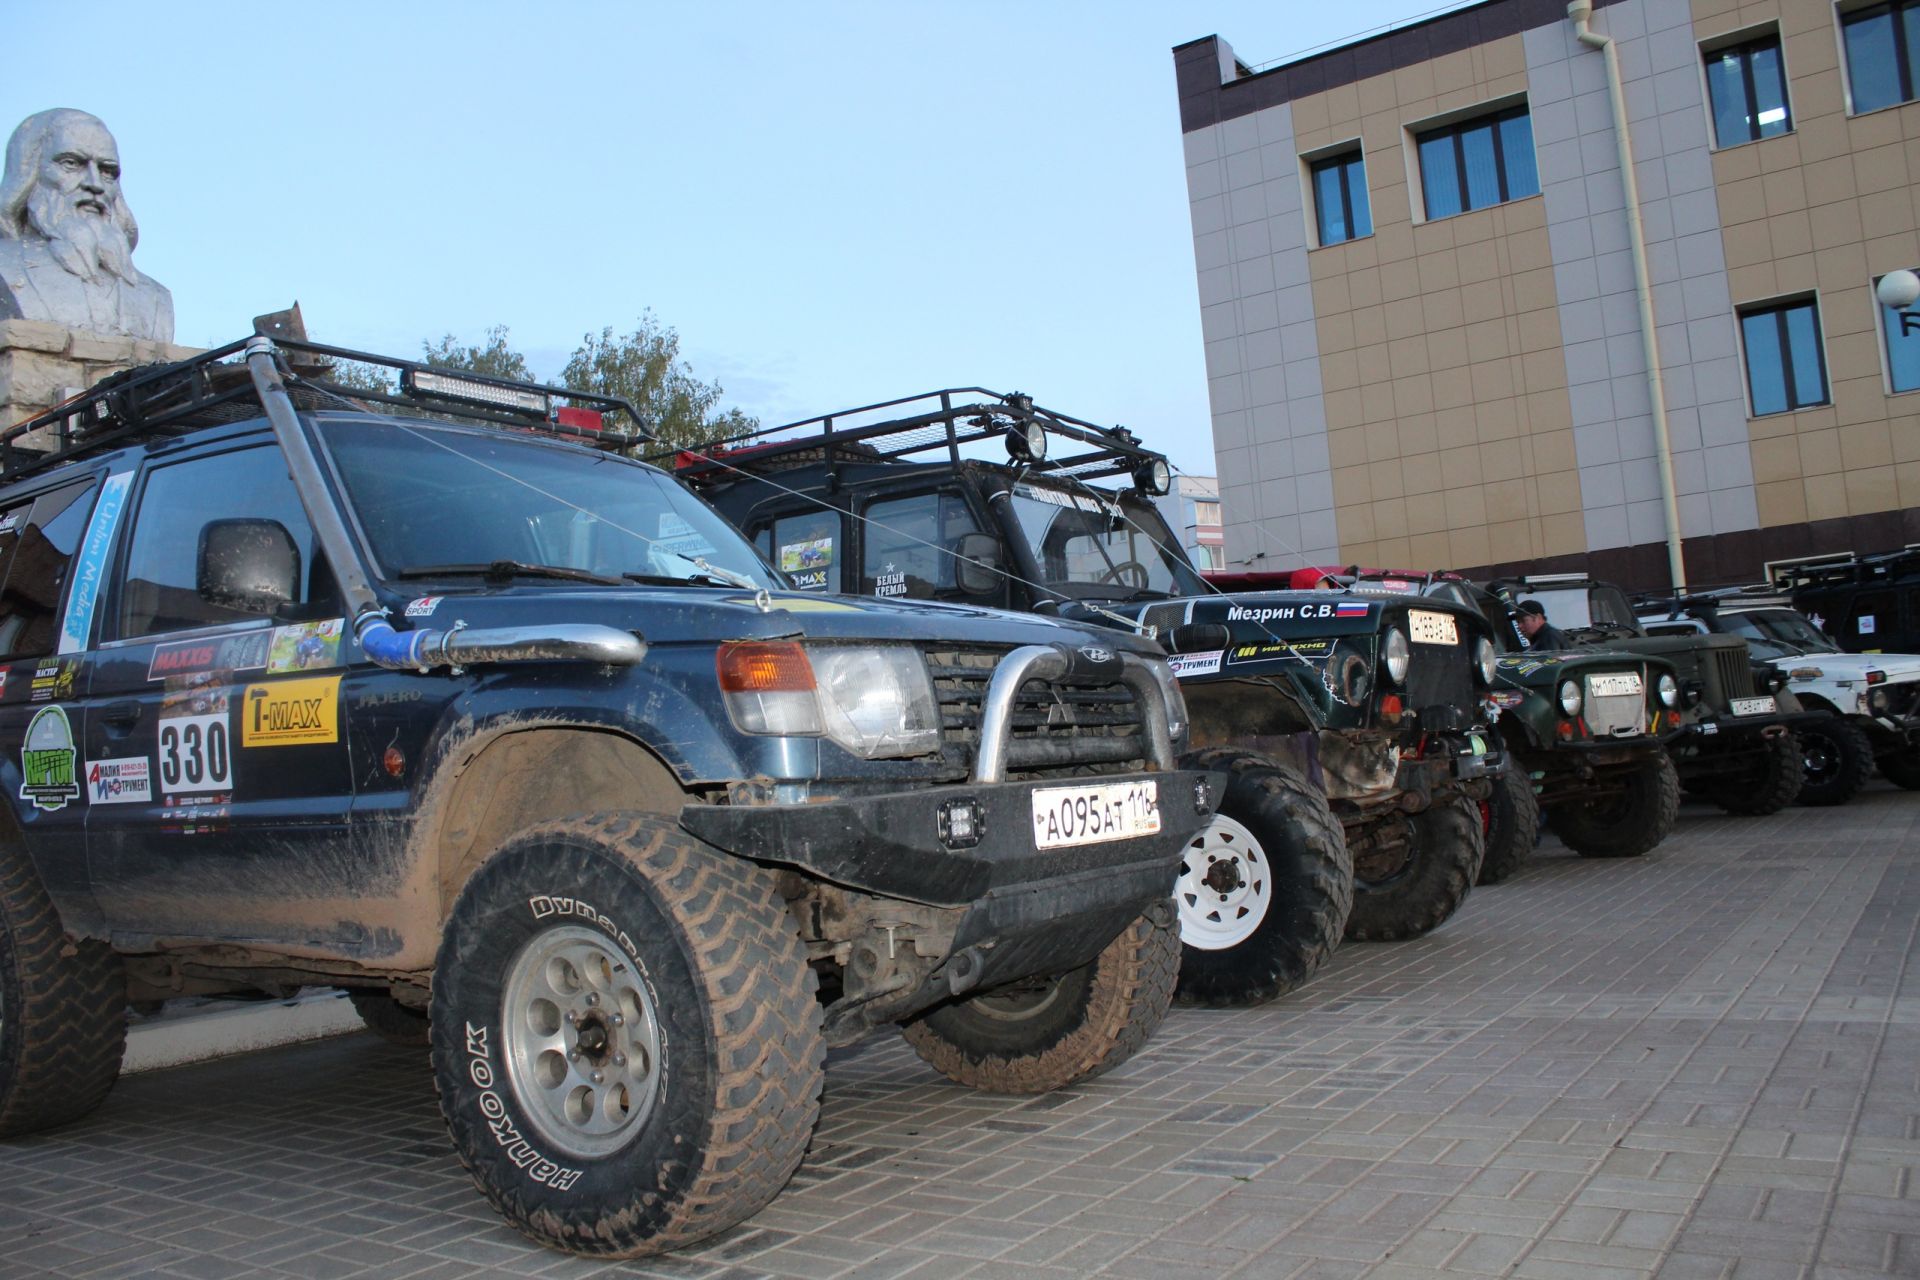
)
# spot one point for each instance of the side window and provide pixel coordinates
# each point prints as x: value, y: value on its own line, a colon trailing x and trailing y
x: 37, y: 542
x: 807, y: 548
x: 160, y: 587
x: 1870, y: 614
x: 909, y: 545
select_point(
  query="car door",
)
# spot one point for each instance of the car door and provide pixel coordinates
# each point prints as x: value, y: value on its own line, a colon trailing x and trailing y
x: 216, y: 748
x: 41, y: 687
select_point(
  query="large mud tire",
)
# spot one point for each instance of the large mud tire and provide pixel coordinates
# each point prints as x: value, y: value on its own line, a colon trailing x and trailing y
x: 390, y: 1020
x: 709, y: 1078
x: 1448, y: 845
x: 1265, y: 890
x: 1901, y: 768
x: 1837, y: 759
x: 1040, y: 1036
x: 1628, y: 825
x: 63, y: 1009
x: 1511, y: 819
x: 1773, y: 785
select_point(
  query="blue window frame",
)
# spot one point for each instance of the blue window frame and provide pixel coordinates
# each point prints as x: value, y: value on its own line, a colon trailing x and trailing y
x: 1902, y: 330
x: 1748, y: 86
x: 1785, y: 367
x: 1470, y: 165
x: 1340, y: 198
x: 1881, y: 42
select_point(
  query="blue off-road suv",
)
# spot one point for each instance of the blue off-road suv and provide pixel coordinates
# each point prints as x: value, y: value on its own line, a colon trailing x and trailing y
x: 518, y: 740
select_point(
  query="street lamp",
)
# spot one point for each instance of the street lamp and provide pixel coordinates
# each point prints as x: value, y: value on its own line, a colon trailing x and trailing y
x: 1898, y: 290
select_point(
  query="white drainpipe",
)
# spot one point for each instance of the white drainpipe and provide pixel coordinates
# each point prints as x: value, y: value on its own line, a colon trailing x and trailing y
x: 1580, y: 12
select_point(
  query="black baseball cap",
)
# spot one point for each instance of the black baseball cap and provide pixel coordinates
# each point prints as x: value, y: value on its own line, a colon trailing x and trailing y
x: 1531, y: 606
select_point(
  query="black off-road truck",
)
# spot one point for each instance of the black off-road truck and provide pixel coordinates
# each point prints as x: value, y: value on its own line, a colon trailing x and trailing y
x: 432, y: 694
x: 1348, y: 723
x: 1735, y: 744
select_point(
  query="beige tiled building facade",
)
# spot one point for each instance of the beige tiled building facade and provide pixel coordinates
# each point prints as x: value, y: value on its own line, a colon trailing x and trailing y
x: 1424, y: 338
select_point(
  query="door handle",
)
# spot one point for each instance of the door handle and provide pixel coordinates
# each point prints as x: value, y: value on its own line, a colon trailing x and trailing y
x: 121, y: 715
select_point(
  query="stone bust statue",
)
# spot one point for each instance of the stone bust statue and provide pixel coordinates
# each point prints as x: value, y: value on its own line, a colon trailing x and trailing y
x: 67, y: 236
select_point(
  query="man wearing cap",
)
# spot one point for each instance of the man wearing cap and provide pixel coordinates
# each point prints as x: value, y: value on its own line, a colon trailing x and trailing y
x: 1540, y: 634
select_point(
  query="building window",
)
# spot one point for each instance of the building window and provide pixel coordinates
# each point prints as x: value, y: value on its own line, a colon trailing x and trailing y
x: 1748, y: 86
x: 1785, y: 367
x: 1478, y: 162
x: 1207, y: 557
x: 1206, y: 513
x: 1340, y: 199
x: 1880, y: 49
x: 1902, y: 330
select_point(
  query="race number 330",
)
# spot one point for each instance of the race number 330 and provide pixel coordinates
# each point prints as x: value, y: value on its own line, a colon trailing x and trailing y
x: 194, y: 753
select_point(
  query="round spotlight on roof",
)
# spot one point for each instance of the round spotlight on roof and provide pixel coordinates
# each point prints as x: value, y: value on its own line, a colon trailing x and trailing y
x: 1898, y: 289
x: 1153, y: 477
x: 1027, y: 441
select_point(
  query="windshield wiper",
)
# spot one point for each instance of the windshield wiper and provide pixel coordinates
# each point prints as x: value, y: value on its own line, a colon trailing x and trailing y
x: 508, y: 570
x: 668, y: 580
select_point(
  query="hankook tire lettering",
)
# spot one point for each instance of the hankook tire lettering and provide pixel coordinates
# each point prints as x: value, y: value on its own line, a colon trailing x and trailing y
x: 500, y: 1125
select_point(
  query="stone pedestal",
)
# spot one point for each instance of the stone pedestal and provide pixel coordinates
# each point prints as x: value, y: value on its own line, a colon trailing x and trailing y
x: 42, y: 364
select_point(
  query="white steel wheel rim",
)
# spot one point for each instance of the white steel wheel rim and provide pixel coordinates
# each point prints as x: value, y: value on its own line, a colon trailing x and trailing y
x: 1225, y: 887
x: 582, y: 1041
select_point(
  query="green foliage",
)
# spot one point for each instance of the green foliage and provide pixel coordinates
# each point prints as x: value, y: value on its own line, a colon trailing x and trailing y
x: 360, y: 377
x: 495, y: 359
x: 645, y: 368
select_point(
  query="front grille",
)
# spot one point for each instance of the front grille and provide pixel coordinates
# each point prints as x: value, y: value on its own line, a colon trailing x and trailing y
x: 1735, y: 673
x: 1441, y: 675
x: 1895, y: 701
x: 1060, y: 730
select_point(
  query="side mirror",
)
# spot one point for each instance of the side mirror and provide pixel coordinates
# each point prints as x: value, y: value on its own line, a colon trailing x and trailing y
x: 249, y: 566
x: 976, y: 566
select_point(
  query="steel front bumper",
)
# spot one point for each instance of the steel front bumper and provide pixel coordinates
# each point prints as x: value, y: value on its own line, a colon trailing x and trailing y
x: 1704, y: 733
x: 1026, y: 910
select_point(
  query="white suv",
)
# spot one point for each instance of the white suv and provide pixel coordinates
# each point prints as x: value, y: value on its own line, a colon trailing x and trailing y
x: 1876, y: 695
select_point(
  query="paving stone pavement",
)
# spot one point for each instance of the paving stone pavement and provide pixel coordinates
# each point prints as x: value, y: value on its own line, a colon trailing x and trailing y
x: 1703, y: 1063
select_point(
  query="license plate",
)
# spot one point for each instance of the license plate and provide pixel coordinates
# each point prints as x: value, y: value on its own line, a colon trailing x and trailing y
x: 1064, y: 816
x: 1429, y: 627
x: 1618, y: 686
x: 1753, y: 706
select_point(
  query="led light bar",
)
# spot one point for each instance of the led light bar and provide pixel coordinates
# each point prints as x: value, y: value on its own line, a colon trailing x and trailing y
x: 447, y: 386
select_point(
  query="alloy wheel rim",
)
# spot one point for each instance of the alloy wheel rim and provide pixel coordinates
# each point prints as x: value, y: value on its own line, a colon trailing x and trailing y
x: 582, y: 1041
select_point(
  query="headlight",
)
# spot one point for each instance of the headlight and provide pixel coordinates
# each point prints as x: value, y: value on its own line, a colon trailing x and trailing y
x: 1570, y: 697
x: 1487, y: 659
x: 1398, y: 655
x: 876, y: 701
x: 1669, y: 691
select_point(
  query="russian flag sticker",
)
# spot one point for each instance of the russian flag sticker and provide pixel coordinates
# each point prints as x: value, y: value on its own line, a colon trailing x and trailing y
x: 1357, y: 610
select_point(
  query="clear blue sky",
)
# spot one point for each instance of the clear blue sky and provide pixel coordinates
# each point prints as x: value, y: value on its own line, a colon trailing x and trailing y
x: 833, y: 203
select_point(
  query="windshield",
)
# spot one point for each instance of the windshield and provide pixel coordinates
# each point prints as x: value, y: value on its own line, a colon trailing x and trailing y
x: 1582, y: 605
x: 1782, y: 625
x: 1101, y: 545
x: 462, y: 500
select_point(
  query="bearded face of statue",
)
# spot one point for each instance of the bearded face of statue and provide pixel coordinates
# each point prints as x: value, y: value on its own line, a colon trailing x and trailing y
x: 76, y: 202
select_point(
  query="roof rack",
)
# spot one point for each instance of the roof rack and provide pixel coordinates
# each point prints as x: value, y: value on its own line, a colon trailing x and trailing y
x: 911, y: 428
x: 1841, y: 567
x: 158, y: 401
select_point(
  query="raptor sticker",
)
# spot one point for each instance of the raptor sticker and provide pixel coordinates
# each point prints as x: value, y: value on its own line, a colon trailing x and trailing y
x: 303, y: 646
x: 46, y: 760
x: 88, y: 566
x: 291, y: 713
